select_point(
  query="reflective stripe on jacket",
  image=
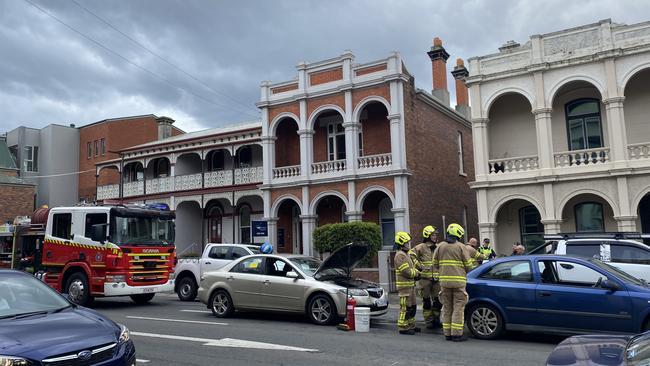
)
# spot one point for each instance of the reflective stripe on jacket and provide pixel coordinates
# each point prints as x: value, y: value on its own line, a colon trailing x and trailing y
x: 452, y: 262
x: 405, y: 271
x: 474, y: 255
x: 422, y: 257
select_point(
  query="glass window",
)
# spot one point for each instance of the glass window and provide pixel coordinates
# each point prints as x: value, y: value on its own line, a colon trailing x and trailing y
x: 90, y: 150
x: 589, y: 217
x: 245, y: 224
x: 629, y: 254
x: 461, y: 162
x: 568, y: 273
x: 96, y: 142
x: 62, y: 225
x: 277, y: 267
x: 95, y: 219
x: 20, y: 294
x: 245, y: 157
x: 360, y: 143
x: 238, y: 252
x: 31, y: 158
x: 218, y: 160
x: 510, y: 271
x: 336, y: 141
x: 161, y: 168
x: 103, y: 146
x: 219, y: 252
x: 249, y: 265
x: 583, y: 124
x: 587, y: 250
x: 530, y: 224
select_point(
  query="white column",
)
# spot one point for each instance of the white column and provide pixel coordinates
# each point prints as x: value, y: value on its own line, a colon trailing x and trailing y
x: 616, y: 130
x: 481, y: 157
x: 308, y: 226
x: 397, y: 134
x: 549, y: 203
x: 266, y: 194
x: 352, y: 213
x: 306, y: 147
x: 400, y: 208
x: 272, y: 225
x: 172, y: 173
x: 544, y: 138
x: 395, y: 146
x: 552, y: 226
x: 351, y: 136
x: 626, y: 219
x: 268, y: 157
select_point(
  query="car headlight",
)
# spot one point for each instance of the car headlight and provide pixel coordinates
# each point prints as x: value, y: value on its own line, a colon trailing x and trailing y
x: 13, y: 361
x: 125, y: 335
x: 355, y: 292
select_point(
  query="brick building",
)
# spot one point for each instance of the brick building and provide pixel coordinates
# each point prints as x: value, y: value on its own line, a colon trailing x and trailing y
x: 101, y: 140
x: 17, y: 195
x: 358, y: 142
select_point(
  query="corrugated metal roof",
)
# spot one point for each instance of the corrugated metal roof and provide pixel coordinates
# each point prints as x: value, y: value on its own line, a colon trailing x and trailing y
x: 6, y: 159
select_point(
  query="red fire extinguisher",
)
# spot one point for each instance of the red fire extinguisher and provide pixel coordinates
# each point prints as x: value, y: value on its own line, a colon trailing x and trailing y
x: 350, y: 312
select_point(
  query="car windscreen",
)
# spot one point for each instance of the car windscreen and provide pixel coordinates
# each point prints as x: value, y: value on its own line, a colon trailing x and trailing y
x: 21, y: 295
x: 142, y: 230
x: 637, y: 351
x: 306, y: 264
x: 620, y: 274
x: 254, y: 249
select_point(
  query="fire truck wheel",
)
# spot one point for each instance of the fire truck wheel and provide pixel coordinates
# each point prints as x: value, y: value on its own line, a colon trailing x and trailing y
x: 186, y: 289
x: 142, y: 299
x: 78, y: 289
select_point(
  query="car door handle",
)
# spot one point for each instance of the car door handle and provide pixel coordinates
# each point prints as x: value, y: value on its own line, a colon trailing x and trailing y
x: 267, y: 282
x: 544, y: 294
x: 208, y: 263
x: 230, y: 278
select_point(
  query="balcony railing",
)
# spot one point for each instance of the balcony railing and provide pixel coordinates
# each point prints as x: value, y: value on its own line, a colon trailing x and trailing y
x: 286, y: 172
x: 510, y: 165
x: 108, y: 191
x: 328, y: 167
x: 375, y: 161
x: 187, y: 182
x: 582, y: 157
x: 639, y: 151
x: 160, y: 185
x: 249, y: 175
x: 133, y: 189
x: 220, y: 178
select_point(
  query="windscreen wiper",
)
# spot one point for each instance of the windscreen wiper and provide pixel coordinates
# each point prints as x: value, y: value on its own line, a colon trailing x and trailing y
x: 23, y: 315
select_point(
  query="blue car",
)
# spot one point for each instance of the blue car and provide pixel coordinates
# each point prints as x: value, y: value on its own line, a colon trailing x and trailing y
x: 39, y: 327
x: 555, y: 294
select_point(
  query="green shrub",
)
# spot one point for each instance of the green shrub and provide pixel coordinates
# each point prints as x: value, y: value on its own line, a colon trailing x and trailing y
x: 328, y: 238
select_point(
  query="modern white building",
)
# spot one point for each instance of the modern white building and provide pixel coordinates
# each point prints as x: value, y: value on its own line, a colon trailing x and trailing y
x: 561, y: 132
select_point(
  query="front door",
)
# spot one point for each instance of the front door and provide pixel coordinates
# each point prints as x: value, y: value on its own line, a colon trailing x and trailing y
x: 215, y: 228
x: 279, y: 291
x: 568, y: 297
x: 245, y: 280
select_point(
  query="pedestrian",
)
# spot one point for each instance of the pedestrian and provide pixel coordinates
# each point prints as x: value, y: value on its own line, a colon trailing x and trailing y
x: 452, y: 262
x: 518, y: 249
x: 422, y: 256
x: 405, y: 274
x: 472, y: 250
x: 486, y: 250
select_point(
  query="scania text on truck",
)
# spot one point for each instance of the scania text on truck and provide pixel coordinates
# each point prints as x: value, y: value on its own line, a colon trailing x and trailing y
x: 101, y: 251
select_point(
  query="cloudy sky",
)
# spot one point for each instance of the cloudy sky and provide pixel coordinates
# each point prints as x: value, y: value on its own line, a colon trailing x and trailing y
x: 201, y: 62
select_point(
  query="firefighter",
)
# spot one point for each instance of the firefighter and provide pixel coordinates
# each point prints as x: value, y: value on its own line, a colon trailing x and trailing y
x: 452, y: 262
x: 486, y: 250
x: 422, y: 255
x: 405, y: 276
x: 476, y: 256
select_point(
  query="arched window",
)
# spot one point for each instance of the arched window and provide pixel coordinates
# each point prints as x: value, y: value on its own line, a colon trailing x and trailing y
x: 245, y: 224
x: 530, y: 226
x: 161, y: 168
x: 589, y: 217
x: 584, y: 129
x: 387, y: 221
x: 245, y: 157
x: 215, y: 223
x: 217, y: 160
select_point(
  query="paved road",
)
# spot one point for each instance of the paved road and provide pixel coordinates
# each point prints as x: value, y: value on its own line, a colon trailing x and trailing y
x: 171, y: 332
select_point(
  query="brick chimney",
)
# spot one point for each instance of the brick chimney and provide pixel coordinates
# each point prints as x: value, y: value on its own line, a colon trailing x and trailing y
x: 462, y: 97
x: 164, y: 127
x: 439, y: 57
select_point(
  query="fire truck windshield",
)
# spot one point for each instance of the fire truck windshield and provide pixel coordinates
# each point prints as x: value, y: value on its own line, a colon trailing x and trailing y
x: 142, y: 230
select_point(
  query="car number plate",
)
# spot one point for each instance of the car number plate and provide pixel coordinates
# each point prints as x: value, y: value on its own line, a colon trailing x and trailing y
x: 381, y: 302
x: 147, y: 290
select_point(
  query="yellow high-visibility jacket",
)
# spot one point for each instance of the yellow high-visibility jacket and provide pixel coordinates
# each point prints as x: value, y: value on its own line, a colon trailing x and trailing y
x: 405, y: 272
x: 474, y: 255
x: 452, y: 262
x: 422, y: 257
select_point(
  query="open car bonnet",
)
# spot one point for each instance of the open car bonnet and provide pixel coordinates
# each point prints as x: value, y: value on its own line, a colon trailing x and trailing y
x: 342, y: 261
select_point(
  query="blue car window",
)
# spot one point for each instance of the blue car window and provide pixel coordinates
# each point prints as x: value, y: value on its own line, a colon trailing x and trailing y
x: 510, y: 271
x: 569, y: 273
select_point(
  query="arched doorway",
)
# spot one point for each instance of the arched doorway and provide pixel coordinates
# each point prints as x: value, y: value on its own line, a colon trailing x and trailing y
x: 289, y: 234
x: 588, y: 213
x: 518, y: 221
x: 377, y: 207
x: 330, y: 210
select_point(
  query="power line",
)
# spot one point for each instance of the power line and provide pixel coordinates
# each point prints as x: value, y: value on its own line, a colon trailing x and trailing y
x: 223, y: 95
x: 161, y: 78
x: 57, y: 175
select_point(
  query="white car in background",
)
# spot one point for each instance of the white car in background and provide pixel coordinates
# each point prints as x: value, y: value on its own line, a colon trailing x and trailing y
x: 617, y: 249
x: 189, y: 270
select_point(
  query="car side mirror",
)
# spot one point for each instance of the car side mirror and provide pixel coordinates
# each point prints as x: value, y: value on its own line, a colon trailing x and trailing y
x: 292, y: 274
x: 610, y: 285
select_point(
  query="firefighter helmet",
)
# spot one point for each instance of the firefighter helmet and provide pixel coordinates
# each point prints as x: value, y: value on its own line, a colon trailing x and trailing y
x: 455, y: 230
x: 401, y: 238
x: 426, y: 233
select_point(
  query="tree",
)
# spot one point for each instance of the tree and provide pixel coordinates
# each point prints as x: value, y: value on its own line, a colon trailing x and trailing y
x: 328, y: 238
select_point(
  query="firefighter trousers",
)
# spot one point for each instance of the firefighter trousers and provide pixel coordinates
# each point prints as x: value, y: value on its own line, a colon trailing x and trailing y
x: 453, y: 310
x: 407, y: 310
x: 430, y: 303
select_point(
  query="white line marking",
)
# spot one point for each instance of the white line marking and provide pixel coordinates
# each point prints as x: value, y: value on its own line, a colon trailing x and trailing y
x: 142, y: 361
x: 175, y: 320
x: 227, y: 342
x: 197, y: 311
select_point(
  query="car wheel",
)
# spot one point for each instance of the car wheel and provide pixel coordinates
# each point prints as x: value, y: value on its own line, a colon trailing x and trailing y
x: 221, y: 304
x: 78, y: 289
x: 186, y: 289
x: 142, y: 298
x: 321, y: 310
x: 485, y: 321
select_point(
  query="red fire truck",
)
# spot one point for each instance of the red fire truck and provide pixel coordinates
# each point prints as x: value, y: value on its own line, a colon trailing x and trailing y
x: 112, y: 250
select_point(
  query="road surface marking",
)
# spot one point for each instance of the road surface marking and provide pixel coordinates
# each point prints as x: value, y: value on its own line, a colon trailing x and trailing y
x: 227, y: 342
x: 142, y: 361
x: 175, y: 320
x: 197, y: 311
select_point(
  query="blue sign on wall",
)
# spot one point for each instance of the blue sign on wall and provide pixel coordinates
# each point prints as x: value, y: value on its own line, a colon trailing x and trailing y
x: 260, y: 228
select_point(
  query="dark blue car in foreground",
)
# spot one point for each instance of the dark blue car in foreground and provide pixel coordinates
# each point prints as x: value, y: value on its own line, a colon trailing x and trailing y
x: 611, y: 350
x: 39, y: 327
x: 555, y: 294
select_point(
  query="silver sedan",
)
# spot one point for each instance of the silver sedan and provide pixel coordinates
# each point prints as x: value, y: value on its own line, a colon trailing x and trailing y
x: 295, y: 283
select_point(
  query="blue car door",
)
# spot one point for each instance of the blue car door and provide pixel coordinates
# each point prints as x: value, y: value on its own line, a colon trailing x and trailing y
x: 568, y: 297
